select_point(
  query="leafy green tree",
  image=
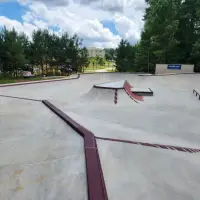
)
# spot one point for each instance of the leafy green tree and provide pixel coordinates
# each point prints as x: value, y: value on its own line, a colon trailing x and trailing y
x: 109, y: 54
x: 101, y: 61
x: 83, y: 59
x: 171, y: 32
x: 12, y: 53
x: 125, y: 56
x: 39, y: 48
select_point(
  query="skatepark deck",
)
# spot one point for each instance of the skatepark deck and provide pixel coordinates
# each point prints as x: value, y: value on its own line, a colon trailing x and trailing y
x: 42, y: 156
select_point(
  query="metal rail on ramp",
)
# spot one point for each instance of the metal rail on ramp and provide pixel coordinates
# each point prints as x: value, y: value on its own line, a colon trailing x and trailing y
x: 196, y: 93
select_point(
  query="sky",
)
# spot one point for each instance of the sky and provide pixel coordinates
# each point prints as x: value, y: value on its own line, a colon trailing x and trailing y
x: 100, y: 23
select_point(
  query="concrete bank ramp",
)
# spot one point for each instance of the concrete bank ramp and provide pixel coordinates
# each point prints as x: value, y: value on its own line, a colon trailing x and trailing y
x: 106, y: 96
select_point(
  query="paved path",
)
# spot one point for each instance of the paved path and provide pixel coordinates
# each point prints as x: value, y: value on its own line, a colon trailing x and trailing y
x: 104, y: 70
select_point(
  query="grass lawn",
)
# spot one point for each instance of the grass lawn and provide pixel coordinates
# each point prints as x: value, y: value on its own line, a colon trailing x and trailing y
x: 18, y: 80
x: 108, y: 67
x: 110, y: 70
x: 90, y: 67
x: 99, y: 70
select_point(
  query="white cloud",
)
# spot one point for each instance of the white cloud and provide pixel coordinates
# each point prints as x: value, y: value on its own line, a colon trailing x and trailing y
x: 127, y: 28
x: 27, y: 28
x: 84, y: 18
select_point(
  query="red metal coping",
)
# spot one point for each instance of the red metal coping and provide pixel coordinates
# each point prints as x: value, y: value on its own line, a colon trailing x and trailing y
x: 116, y: 96
x: 127, y: 88
x: 35, y: 82
x: 95, y: 179
x: 168, y: 147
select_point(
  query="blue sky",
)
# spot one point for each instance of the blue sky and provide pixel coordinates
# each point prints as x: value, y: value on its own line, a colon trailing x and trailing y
x: 111, y: 26
x: 97, y: 25
x: 13, y: 10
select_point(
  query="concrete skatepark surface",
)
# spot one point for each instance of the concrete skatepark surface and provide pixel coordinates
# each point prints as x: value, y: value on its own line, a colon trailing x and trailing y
x: 41, y: 157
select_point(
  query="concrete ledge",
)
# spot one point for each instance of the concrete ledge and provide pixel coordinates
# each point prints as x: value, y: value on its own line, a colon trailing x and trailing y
x: 95, y: 179
x: 168, y: 74
x: 167, y: 147
x: 142, y: 92
x: 35, y: 82
x: 137, y: 73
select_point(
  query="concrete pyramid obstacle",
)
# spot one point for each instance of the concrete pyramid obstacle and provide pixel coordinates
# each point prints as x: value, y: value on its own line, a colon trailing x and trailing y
x: 123, y: 84
x: 111, y: 85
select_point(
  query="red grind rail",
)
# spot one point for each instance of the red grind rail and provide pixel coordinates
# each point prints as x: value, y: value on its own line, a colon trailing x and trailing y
x: 168, y: 147
x: 127, y: 88
x: 95, y: 179
x: 35, y: 82
x: 116, y: 96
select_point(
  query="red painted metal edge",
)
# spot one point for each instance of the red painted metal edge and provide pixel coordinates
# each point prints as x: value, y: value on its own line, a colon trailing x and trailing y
x: 168, y: 147
x: 95, y: 179
x: 127, y: 88
x: 35, y: 82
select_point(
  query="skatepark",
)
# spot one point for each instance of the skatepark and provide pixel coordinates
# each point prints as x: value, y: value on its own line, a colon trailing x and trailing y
x: 91, y: 137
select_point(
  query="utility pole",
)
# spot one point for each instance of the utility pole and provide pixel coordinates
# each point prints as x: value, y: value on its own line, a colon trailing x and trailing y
x: 148, y: 61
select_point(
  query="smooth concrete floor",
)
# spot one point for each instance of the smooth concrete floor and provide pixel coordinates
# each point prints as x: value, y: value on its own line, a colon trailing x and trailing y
x: 41, y: 158
x: 170, y: 117
x: 138, y: 172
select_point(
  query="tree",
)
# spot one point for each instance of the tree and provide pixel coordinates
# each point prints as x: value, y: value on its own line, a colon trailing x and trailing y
x: 39, y: 47
x: 109, y: 54
x: 12, y: 53
x: 101, y: 61
x: 83, y: 59
x: 125, y: 56
x: 46, y: 50
x: 171, y: 32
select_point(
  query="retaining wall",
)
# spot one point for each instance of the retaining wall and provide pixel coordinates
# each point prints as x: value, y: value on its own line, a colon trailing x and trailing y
x: 174, y: 68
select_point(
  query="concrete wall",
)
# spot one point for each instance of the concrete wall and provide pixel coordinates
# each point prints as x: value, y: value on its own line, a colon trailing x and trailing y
x: 163, y: 69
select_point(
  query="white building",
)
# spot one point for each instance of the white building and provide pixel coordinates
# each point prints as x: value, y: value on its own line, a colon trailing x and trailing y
x: 94, y: 52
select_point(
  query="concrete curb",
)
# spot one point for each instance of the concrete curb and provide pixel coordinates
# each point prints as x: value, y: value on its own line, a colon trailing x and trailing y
x: 137, y: 73
x: 167, y: 147
x: 95, y: 179
x: 171, y: 74
x: 36, y: 82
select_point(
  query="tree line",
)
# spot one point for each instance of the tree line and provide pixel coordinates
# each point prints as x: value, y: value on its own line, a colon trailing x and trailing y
x: 171, y: 34
x: 45, y: 50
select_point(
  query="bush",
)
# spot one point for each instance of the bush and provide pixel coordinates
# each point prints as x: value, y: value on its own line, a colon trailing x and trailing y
x: 57, y: 74
x: 50, y: 74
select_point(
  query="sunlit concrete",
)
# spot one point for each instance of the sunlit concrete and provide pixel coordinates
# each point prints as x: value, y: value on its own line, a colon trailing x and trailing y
x: 138, y: 172
x: 169, y: 117
x: 40, y: 156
